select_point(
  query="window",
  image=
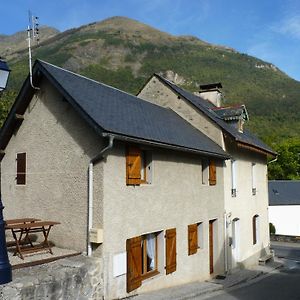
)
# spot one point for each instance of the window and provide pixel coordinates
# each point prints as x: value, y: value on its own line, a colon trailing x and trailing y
x: 233, y: 178
x: 255, y: 229
x: 138, y: 166
x: 212, y: 173
x: 253, y: 176
x: 21, y: 168
x: 149, y: 255
x: 142, y: 258
x: 204, y: 165
x: 195, y: 238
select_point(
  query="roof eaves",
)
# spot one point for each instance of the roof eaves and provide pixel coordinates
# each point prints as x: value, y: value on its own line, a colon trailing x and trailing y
x: 164, y: 145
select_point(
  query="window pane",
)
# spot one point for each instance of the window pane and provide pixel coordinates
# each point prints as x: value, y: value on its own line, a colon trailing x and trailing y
x: 151, y: 252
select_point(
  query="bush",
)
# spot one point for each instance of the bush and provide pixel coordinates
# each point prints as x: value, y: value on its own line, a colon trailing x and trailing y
x: 272, y: 229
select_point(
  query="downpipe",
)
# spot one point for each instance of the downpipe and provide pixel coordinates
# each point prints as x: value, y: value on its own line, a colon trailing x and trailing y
x: 93, y: 161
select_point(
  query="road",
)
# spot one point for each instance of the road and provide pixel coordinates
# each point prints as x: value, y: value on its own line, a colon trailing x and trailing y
x: 282, y: 284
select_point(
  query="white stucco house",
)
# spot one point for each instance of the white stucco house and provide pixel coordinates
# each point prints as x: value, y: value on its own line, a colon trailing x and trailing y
x: 147, y: 187
x: 245, y: 174
x: 284, y: 206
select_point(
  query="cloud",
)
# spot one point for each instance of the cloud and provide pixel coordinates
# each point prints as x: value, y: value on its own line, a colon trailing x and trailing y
x: 289, y: 26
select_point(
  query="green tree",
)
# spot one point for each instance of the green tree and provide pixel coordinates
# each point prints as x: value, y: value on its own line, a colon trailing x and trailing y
x: 287, y: 165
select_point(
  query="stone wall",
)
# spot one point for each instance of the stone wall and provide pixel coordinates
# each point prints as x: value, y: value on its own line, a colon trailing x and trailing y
x: 73, y: 278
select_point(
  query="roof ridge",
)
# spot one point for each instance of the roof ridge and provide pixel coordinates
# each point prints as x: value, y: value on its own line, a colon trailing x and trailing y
x: 106, y: 85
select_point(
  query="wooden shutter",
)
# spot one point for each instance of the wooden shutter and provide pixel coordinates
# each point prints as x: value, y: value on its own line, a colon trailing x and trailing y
x: 212, y: 173
x: 170, y: 250
x: 21, y: 168
x: 133, y: 165
x: 254, y: 230
x: 192, y: 238
x: 134, y: 263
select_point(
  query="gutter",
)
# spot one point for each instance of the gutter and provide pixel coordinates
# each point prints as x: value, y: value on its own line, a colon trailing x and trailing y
x: 93, y: 161
x: 166, y: 146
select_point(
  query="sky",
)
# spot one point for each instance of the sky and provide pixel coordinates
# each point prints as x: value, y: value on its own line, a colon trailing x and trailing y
x: 267, y: 29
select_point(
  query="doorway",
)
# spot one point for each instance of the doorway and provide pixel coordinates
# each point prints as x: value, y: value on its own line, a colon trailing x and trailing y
x: 211, y: 246
x: 235, y: 242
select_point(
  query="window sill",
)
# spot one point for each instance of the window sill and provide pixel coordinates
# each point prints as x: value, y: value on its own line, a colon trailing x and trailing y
x: 149, y: 274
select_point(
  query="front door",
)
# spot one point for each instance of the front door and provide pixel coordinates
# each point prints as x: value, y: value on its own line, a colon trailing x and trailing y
x: 235, y: 242
x: 211, y: 246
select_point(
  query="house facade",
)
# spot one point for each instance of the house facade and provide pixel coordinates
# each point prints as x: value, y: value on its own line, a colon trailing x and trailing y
x: 284, y: 206
x: 245, y: 174
x: 130, y: 181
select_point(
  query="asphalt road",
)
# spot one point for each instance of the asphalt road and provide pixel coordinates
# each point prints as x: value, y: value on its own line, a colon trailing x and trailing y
x: 282, y: 284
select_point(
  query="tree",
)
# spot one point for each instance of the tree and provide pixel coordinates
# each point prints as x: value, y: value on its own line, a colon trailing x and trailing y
x: 287, y: 165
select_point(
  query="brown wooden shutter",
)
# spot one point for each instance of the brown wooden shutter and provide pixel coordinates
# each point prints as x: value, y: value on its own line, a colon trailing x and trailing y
x: 21, y: 168
x: 134, y: 263
x: 170, y: 250
x: 254, y: 230
x: 212, y: 173
x: 192, y: 239
x: 133, y: 165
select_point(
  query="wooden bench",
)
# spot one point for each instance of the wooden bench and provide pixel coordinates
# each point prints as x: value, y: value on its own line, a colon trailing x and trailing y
x: 22, y: 231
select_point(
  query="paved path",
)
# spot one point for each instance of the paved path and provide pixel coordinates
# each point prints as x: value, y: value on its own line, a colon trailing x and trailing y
x: 280, y: 284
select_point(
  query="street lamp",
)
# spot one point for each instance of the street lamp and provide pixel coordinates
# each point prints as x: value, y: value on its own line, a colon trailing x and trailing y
x: 5, y: 267
x: 4, y: 73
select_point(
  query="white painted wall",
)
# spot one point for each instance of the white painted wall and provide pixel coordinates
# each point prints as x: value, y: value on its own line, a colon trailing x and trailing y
x: 286, y: 219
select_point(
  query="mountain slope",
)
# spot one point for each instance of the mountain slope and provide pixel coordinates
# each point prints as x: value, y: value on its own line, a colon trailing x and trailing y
x: 124, y: 53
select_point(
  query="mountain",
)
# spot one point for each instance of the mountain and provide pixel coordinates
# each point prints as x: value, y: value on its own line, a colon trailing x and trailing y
x: 124, y: 53
x: 11, y: 44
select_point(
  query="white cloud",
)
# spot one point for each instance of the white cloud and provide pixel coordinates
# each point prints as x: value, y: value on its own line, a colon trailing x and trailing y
x: 290, y: 26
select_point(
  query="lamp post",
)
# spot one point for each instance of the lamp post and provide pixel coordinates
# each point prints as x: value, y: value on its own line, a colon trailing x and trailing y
x: 5, y: 267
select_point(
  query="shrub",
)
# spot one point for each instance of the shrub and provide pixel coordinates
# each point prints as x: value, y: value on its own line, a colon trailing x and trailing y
x: 272, y: 229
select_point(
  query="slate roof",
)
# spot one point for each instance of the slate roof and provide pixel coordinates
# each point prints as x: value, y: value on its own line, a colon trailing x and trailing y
x: 284, y: 192
x: 112, y: 111
x: 207, y: 108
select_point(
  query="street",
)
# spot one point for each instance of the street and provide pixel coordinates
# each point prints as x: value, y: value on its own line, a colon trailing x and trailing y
x: 282, y: 284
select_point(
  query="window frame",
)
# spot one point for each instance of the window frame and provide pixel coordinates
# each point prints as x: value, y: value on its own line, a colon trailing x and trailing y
x: 253, y: 178
x: 195, y: 231
x: 147, y: 274
x: 233, y: 177
x: 21, y: 176
x: 144, y: 158
x: 255, y: 229
x: 204, y: 171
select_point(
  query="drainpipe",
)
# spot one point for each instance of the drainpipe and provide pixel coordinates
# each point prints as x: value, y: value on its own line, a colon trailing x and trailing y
x: 273, y: 160
x: 93, y: 161
x: 225, y: 243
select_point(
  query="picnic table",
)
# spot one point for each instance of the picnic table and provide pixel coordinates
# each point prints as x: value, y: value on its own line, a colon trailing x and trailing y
x: 21, y: 230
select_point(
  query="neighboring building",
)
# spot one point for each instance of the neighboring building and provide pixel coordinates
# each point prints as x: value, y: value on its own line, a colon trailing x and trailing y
x: 145, y: 184
x: 245, y: 175
x: 284, y: 206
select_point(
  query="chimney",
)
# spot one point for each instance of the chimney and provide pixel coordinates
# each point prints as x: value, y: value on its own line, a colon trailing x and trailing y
x: 212, y: 93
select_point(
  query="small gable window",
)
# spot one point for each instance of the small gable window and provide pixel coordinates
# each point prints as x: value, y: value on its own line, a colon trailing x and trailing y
x: 21, y: 168
x: 138, y: 166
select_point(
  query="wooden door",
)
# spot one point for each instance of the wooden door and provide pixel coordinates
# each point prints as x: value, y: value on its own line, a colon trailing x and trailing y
x: 211, y: 246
